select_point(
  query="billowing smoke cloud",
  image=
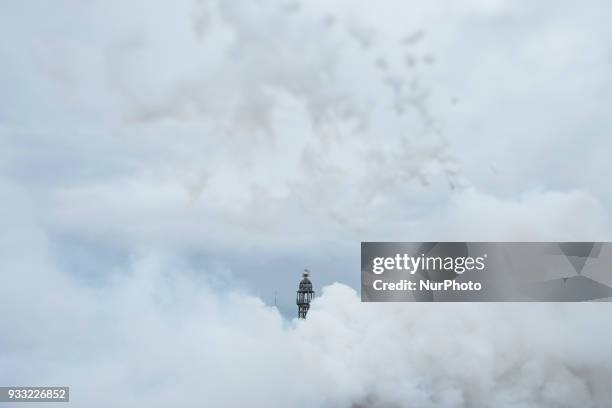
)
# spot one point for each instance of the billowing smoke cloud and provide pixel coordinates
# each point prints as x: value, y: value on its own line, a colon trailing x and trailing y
x: 160, y: 337
x: 211, y: 98
x: 161, y: 333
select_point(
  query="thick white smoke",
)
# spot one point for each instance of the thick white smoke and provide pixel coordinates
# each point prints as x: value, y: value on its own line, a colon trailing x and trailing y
x: 205, y: 102
x: 161, y: 333
x: 159, y: 337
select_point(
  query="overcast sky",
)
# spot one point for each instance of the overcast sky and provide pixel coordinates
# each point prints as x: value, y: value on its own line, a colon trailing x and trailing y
x: 236, y: 142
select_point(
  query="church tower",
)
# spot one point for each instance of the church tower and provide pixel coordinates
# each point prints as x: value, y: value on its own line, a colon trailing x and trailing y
x: 304, y: 295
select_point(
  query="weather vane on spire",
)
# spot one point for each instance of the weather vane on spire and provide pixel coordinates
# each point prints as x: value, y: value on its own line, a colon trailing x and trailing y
x: 304, y: 295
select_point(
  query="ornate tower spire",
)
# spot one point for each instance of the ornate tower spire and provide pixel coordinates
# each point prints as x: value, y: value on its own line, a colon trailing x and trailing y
x: 304, y: 295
